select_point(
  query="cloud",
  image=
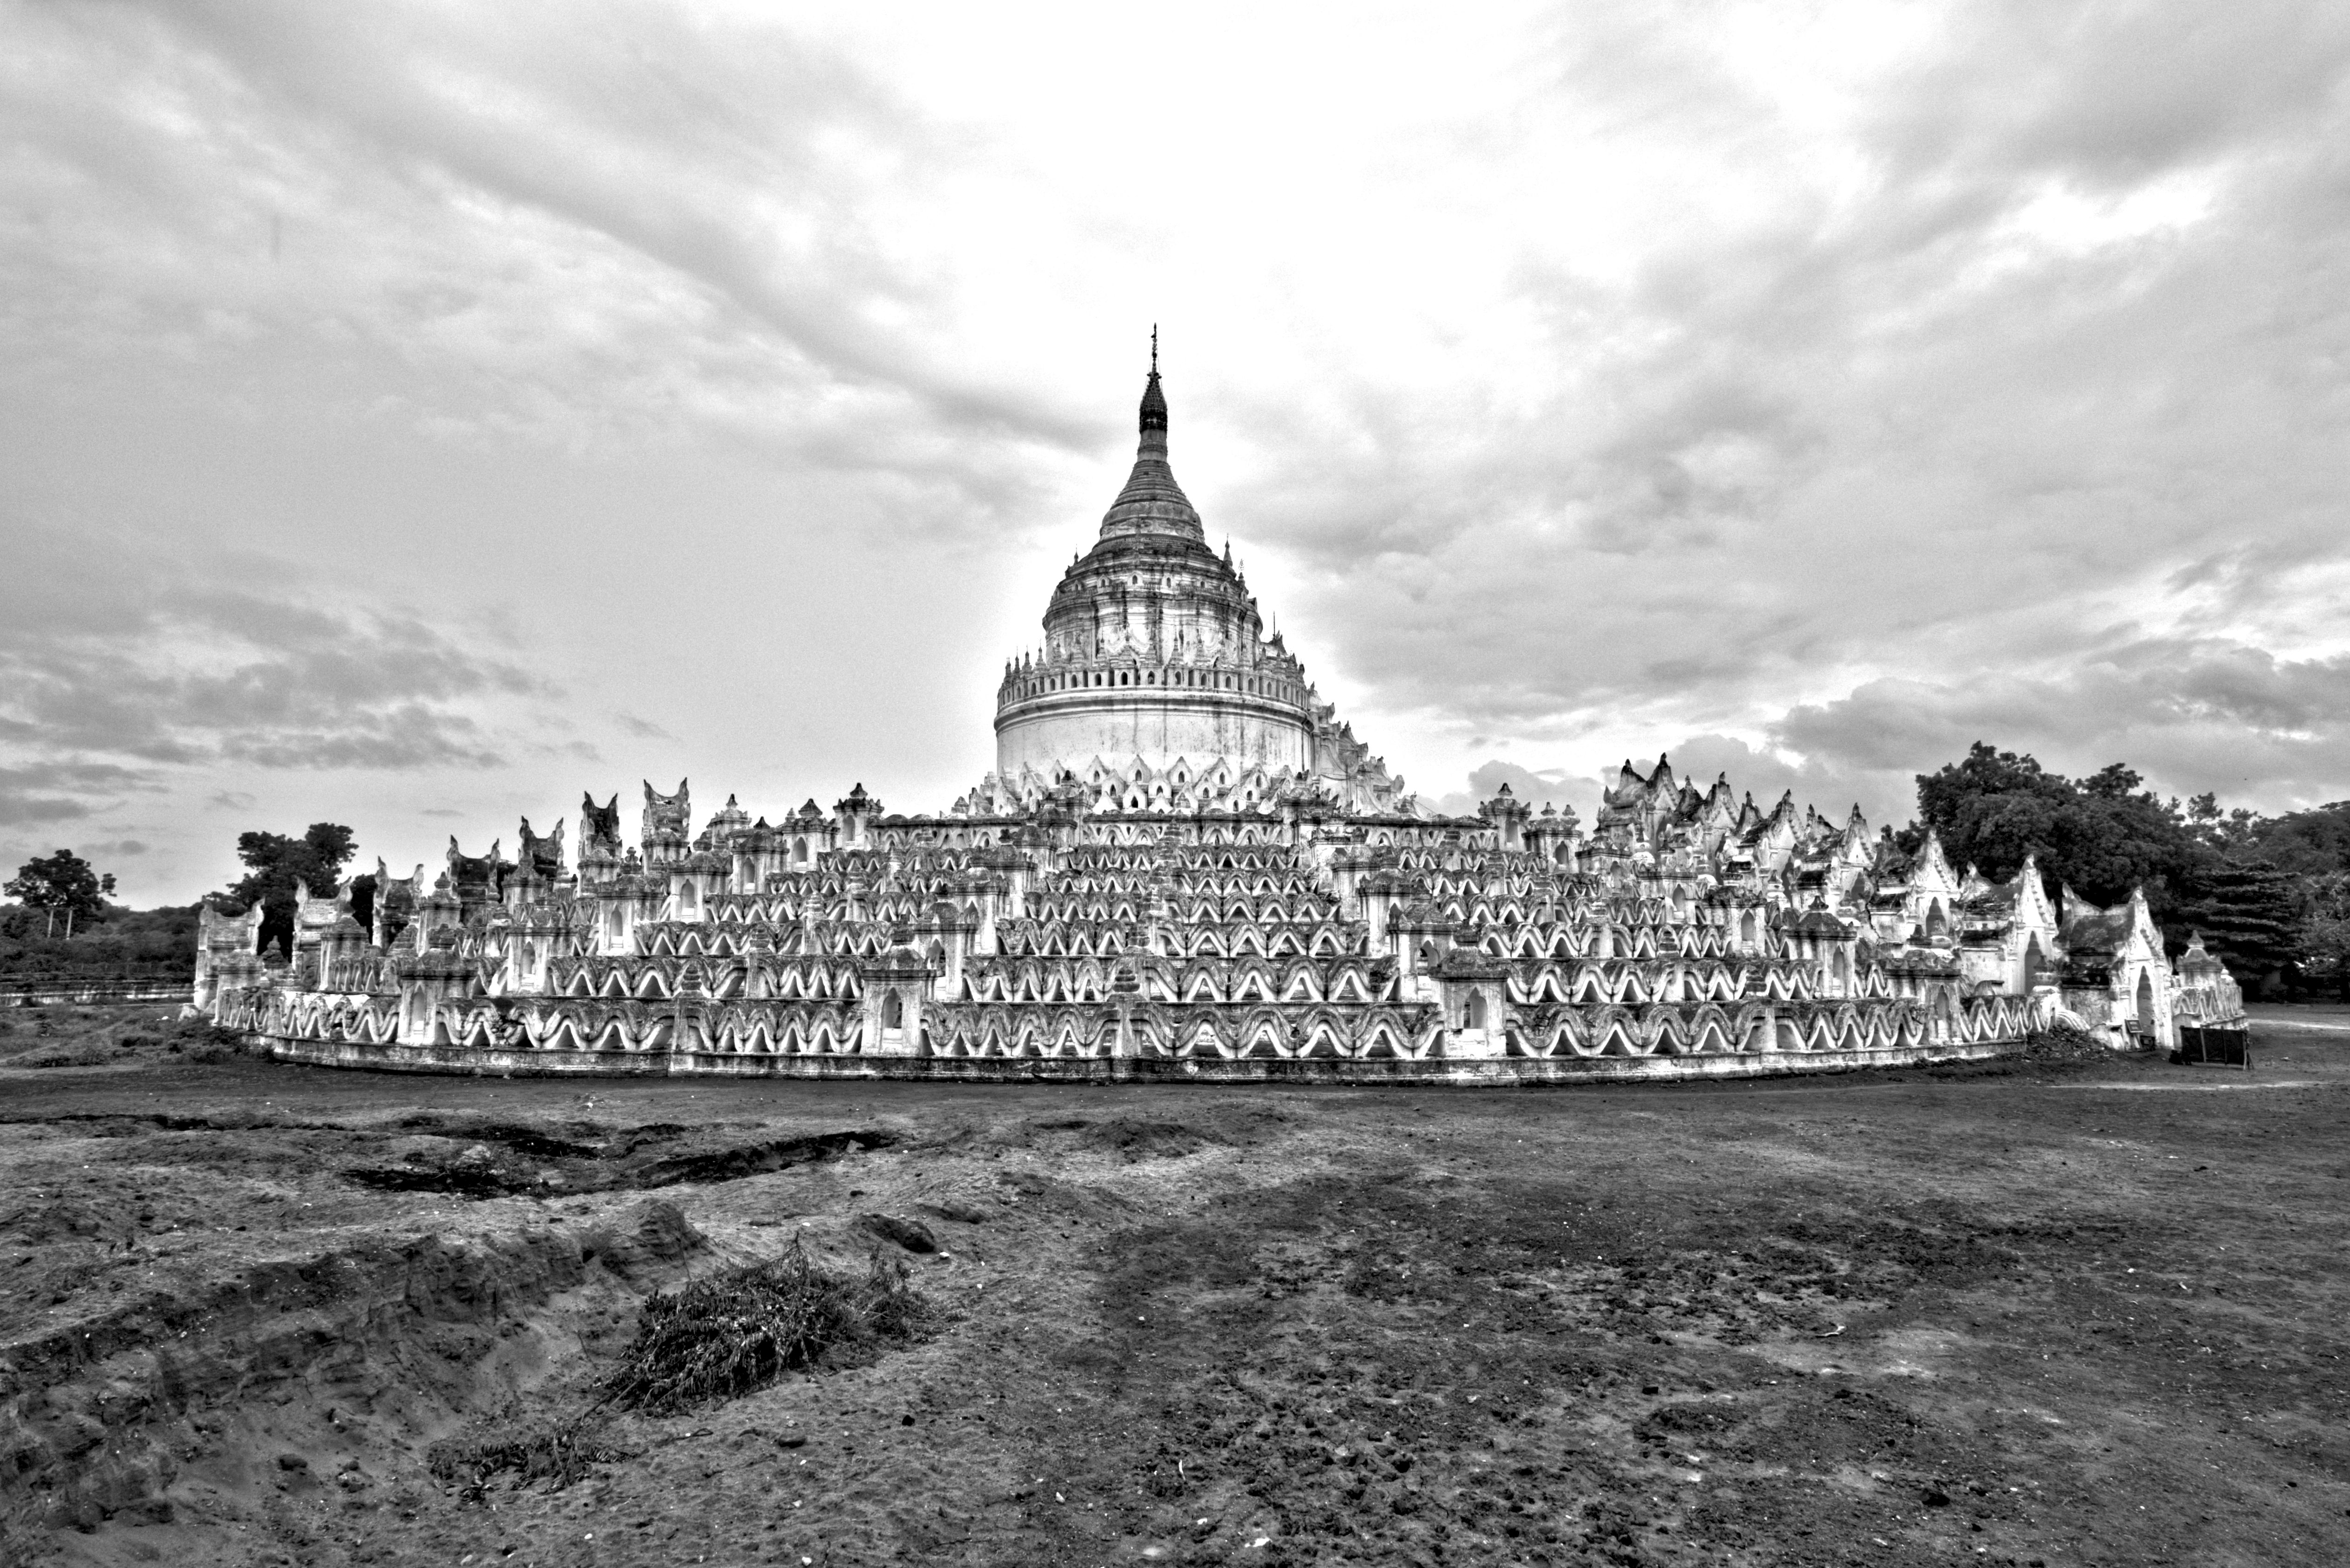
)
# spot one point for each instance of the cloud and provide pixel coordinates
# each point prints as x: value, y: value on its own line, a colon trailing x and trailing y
x: 1808, y: 392
x: 21, y: 805
x: 1833, y: 784
x: 2113, y: 95
x: 641, y: 729
x: 1996, y: 377
x: 612, y: 232
x: 130, y: 669
x: 173, y: 667
x: 62, y: 790
x: 2191, y: 714
x: 1550, y: 787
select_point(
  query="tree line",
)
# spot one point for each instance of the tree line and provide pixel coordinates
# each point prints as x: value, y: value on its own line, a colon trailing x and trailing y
x: 2270, y: 894
x: 64, y: 921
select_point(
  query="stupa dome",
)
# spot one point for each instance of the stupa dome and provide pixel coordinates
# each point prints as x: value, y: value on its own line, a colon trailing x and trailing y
x: 1154, y: 649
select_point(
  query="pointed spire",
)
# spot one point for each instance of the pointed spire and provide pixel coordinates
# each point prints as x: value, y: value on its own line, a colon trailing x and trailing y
x: 1152, y: 502
x: 1154, y: 405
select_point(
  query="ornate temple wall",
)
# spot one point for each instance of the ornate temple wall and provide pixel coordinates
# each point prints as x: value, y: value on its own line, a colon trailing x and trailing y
x: 1500, y: 1073
x: 1248, y: 927
x: 1070, y: 730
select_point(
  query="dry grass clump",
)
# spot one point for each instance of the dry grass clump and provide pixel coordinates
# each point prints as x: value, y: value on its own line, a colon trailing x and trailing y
x: 2063, y: 1041
x: 734, y: 1332
x: 200, y: 1040
x: 741, y: 1329
x: 558, y: 1455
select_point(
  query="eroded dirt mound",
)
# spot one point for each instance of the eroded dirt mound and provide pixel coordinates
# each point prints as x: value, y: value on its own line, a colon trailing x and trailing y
x: 643, y: 1243
x: 329, y: 1361
x: 1127, y: 1138
x: 900, y: 1231
x: 497, y: 1161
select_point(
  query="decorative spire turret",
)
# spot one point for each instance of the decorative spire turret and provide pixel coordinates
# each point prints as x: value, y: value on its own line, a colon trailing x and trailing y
x: 1152, y: 502
x: 1154, y: 407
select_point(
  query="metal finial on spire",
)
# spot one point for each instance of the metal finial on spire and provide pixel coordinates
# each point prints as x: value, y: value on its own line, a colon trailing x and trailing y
x: 1154, y: 403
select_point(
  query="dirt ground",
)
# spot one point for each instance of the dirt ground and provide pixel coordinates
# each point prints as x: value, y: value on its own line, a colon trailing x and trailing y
x: 2011, y: 1313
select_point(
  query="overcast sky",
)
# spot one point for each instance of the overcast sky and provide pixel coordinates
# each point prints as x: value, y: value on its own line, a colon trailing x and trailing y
x: 412, y: 416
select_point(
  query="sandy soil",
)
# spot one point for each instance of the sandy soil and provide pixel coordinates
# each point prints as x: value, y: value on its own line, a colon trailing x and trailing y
x: 1999, y: 1313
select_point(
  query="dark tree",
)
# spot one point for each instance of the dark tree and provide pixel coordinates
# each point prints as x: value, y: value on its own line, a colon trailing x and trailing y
x: 363, y: 901
x: 278, y: 867
x: 62, y: 883
x: 2270, y: 894
x: 2322, y: 942
x: 2250, y: 914
x: 2103, y: 836
x: 2313, y: 843
x: 2229, y: 832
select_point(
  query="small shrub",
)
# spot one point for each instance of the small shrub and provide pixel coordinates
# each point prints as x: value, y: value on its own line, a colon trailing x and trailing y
x: 202, y: 1040
x: 2063, y: 1041
x: 741, y: 1329
x: 558, y: 1455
